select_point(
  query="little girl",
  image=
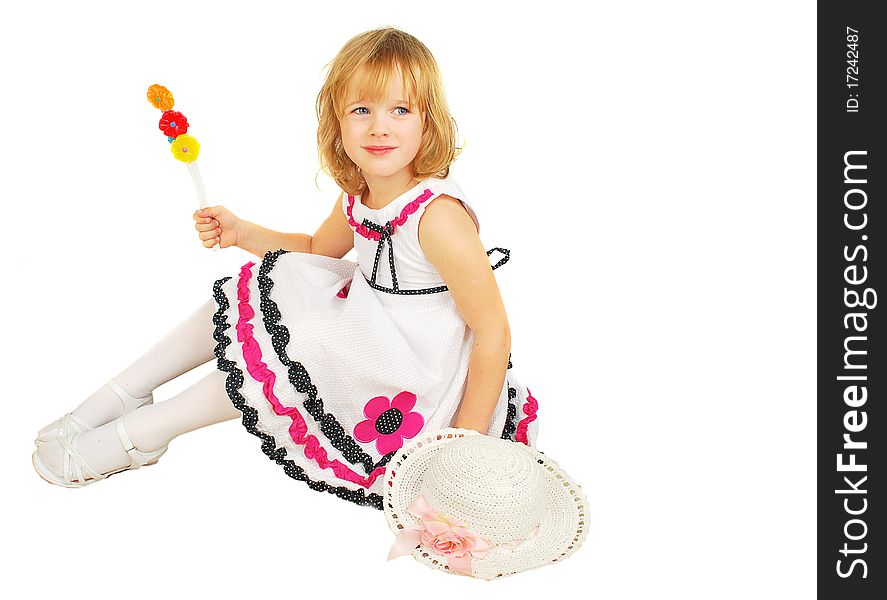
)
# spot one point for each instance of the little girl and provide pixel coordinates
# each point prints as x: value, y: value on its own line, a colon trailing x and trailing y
x: 333, y: 364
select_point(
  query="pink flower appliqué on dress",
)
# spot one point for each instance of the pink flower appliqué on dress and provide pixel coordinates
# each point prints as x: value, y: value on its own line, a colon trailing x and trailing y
x: 389, y: 421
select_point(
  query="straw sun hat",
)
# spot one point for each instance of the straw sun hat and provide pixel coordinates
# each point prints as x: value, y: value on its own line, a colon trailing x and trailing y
x: 471, y: 504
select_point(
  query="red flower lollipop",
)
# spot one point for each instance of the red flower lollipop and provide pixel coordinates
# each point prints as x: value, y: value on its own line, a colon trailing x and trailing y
x: 173, y: 123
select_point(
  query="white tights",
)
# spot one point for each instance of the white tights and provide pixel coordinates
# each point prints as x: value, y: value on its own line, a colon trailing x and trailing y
x: 153, y: 426
x: 206, y: 402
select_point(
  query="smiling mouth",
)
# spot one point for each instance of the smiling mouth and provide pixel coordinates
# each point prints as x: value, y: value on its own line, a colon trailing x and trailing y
x: 378, y: 151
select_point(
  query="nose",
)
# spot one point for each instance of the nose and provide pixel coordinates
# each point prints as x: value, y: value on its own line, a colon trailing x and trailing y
x: 378, y: 125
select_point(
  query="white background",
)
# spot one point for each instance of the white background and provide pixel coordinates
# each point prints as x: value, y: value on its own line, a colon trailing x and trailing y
x: 649, y: 165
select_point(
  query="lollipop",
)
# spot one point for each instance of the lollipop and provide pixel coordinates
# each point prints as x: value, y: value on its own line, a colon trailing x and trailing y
x: 184, y: 147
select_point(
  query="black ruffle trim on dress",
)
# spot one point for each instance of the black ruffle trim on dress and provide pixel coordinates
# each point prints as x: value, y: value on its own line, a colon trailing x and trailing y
x: 301, y: 381
x: 234, y: 382
x: 510, y: 421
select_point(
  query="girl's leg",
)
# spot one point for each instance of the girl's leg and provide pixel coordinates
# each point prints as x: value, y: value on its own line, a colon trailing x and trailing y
x: 204, y: 403
x: 187, y: 346
x: 150, y: 427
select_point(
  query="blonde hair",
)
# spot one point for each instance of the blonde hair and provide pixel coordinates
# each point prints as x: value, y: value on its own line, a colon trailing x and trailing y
x: 374, y: 56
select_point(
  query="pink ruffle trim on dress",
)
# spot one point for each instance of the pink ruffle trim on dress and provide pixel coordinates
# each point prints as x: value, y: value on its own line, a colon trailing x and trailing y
x: 530, y: 408
x: 298, y: 431
x: 396, y: 222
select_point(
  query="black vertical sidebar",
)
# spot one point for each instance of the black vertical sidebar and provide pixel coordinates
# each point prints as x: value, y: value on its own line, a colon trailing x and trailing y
x: 851, y: 366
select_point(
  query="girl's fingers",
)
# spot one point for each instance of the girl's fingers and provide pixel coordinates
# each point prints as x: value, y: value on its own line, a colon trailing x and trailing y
x: 209, y: 230
x: 206, y: 226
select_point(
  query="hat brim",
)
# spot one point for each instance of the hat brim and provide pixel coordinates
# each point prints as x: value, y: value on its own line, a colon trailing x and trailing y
x: 561, y: 532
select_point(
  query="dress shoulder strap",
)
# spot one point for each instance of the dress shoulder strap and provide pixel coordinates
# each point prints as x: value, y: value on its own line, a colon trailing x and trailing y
x: 436, y: 187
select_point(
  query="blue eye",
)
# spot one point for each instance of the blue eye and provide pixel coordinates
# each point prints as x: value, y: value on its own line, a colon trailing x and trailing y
x: 401, y: 107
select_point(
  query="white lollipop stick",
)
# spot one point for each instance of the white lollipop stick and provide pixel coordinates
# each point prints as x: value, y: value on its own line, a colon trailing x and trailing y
x: 198, y: 185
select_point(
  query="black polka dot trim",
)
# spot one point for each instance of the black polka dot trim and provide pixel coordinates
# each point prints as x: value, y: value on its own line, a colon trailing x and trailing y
x: 433, y: 290
x: 299, y: 378
x: 510, y: 427
x: 233, y: 384
x: 386, y: 234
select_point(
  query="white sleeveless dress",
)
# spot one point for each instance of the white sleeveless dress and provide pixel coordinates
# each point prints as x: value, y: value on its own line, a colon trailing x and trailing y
x: 336, y: 363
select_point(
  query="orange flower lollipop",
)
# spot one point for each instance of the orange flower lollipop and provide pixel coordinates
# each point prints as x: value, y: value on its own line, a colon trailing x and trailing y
x: 160, y: 97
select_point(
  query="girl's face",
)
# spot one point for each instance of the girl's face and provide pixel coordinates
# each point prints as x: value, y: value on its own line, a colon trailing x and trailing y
x: 394, y: 124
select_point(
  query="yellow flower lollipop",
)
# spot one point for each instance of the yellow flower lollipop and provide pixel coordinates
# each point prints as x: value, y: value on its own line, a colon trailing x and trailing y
x: 185, y: 148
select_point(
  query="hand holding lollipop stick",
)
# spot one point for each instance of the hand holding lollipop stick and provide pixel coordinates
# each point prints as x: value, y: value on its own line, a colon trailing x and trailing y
x: 184, y: 147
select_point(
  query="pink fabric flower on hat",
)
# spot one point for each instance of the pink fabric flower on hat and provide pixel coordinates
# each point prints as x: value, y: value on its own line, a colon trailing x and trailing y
x: 443, y: 535
x: 389, y: 421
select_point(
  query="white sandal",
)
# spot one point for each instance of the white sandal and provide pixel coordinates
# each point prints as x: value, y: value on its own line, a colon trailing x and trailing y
x: 70, y: 425
x: 77, y: 472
